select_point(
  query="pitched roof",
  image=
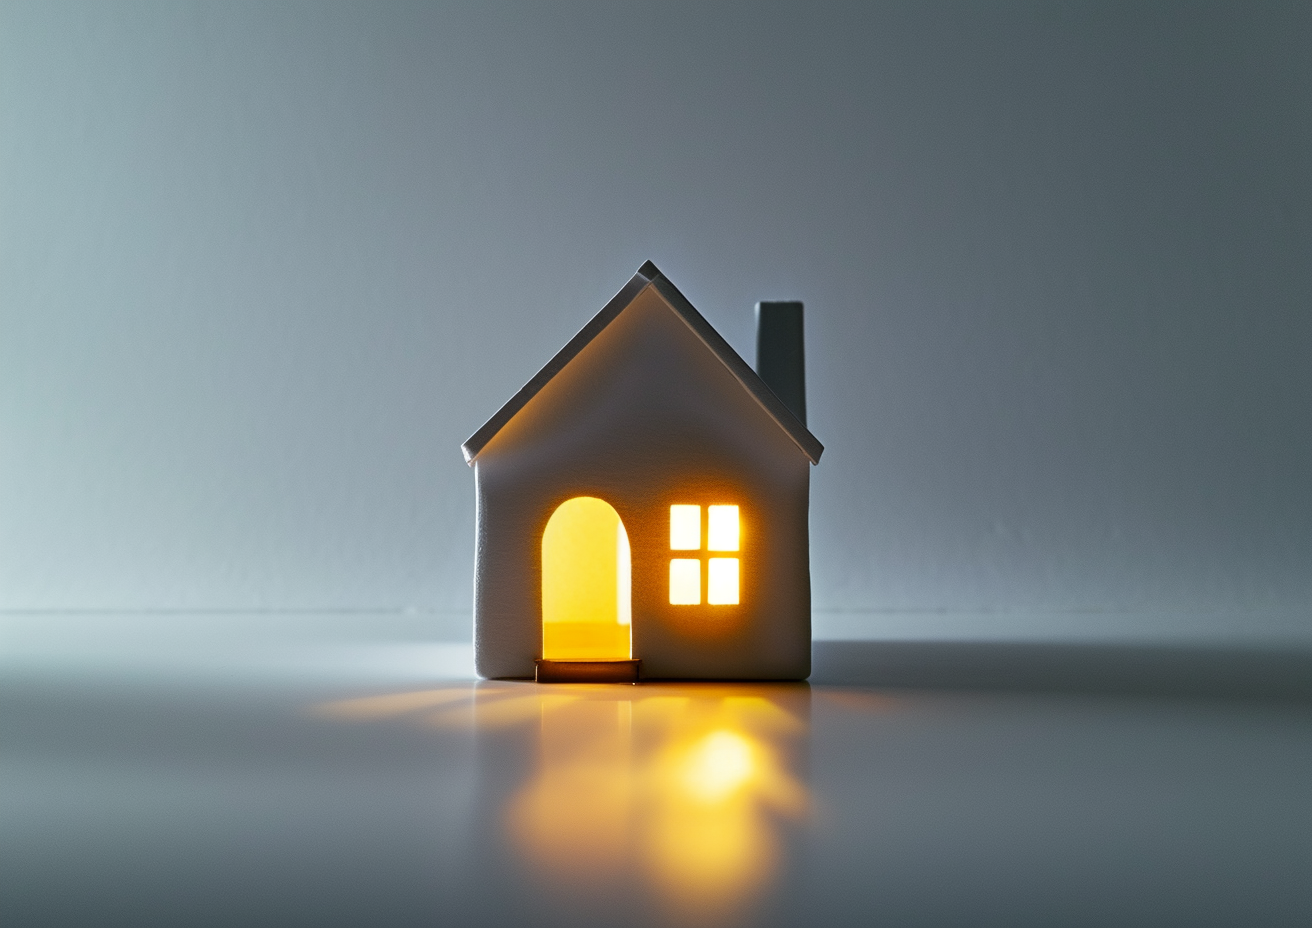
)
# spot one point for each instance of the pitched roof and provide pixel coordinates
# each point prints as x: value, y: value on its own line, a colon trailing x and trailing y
x: 650, y: 276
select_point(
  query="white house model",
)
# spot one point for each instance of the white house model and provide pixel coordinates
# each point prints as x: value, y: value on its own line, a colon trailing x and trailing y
x: 642, y: 506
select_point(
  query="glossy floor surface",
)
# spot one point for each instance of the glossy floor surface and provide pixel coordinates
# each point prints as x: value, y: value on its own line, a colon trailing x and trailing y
x: 904, y: 785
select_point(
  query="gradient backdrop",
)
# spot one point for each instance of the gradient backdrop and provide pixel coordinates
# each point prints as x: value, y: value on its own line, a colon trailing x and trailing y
x: 263, y: 268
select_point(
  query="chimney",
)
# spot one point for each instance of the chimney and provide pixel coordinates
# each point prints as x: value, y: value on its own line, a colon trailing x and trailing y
x: 780, y: 359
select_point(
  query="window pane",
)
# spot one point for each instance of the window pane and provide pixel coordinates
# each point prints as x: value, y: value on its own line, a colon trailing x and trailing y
x: 722, y: 581
x: 722, y: 528
x: 685, y: 528
x: 685, y: 582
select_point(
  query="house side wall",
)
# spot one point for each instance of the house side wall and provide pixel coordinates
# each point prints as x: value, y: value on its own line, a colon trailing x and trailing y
x: 643, y: 418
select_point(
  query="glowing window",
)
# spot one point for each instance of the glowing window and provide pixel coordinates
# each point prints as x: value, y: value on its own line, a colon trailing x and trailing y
x: 722, y: 581
x: 685, y: 528
x: 685, y: 581
x: 722, y: 573
x: 722, y: 529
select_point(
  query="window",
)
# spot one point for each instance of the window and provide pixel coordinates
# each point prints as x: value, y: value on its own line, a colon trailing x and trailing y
x: 722, y: 573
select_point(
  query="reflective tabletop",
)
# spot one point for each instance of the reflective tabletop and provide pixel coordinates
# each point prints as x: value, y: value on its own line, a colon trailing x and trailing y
x: 904, y: 784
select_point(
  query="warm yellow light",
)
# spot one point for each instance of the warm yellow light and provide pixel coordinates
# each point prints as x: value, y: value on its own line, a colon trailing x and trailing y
x: 624, y: 580
x: 685, y: 528
x: 717, y: 766
x: 678, y: 790
x: 722, y: 528
x: 685, y: 581
x: 722, y: 581
x: 586, y: 583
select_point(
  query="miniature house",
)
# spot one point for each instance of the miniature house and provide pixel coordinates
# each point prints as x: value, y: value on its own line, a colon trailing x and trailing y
x: 642, y: 505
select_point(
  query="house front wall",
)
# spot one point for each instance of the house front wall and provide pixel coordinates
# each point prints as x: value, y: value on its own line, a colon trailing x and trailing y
x: 645, y: 418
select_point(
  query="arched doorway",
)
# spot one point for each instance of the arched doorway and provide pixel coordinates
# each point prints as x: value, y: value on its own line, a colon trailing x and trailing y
x: 586, y: 583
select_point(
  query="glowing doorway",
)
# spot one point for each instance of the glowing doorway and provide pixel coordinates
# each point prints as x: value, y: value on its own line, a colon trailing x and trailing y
x: 587, y: 589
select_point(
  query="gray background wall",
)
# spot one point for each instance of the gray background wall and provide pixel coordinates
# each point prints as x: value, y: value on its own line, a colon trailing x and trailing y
x: 263, y: 267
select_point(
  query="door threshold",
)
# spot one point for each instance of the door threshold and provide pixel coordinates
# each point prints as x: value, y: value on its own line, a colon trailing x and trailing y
x: 584, y: 671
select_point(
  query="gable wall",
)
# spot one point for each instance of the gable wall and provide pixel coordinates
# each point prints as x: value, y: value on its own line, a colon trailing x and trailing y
x: 645, y: 417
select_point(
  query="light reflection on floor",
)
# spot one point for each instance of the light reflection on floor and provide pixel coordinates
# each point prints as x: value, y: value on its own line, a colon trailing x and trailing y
x: 926, y: 784
x: 679, y: 789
